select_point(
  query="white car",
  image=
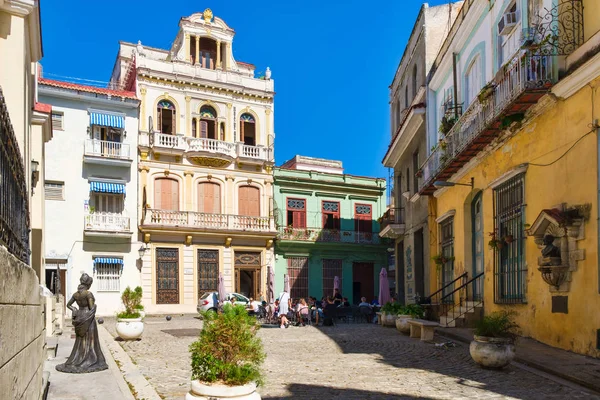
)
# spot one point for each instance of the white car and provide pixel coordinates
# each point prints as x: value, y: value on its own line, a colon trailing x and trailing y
x: 209, y: 300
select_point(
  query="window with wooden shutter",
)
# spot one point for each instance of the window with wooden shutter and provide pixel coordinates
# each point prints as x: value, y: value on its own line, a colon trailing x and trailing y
x: 166, y: 117
x: 249, y: 201
x: 209, y: 198
x: 331, y: 214
x: 57, y: 120
x: 166, y: 194
x: 363, y: 220
x: 203, y: 129
x: 54, y: 190
x: 296, y: 213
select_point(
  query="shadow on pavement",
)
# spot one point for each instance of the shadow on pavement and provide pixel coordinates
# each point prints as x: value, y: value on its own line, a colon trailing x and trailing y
x: 299, y: 391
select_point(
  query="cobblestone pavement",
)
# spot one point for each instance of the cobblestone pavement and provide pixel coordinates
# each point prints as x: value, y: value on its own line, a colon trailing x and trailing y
x: 348, y: 361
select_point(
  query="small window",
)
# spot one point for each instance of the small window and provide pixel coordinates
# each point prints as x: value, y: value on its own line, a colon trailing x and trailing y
x: 296, y: 213
x: 414, y: 81
x: 57, y: 120
x: 108, y: 275
x: 107, y: 203
x: 54, y: 190
x: 331, y: 215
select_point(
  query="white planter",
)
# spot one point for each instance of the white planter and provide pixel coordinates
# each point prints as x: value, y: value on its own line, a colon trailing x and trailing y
x: 492, y: 352
x: 201, y: 391
x: 388, y: 319
x: 130, y: 328
x: 402, y: 323
x: 142, y: 314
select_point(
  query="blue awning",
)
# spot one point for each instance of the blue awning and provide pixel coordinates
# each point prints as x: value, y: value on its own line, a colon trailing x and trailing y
x: 104, y: 187
x: 108, y: 260
x: 116, y: 121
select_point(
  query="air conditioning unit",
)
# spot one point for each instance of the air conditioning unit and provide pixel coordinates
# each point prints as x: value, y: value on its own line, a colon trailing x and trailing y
x: 507, y: 23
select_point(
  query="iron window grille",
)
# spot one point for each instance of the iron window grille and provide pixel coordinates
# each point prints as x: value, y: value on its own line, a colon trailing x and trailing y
x: 447, y: 248
x: 108, y: 277
x: 208, y: 271
x: 510, y: 268
x: 298, y: 275
x: 331, y: 269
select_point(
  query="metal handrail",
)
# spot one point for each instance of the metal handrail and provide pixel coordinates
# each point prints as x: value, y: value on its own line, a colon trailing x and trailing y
x: 462, y: 276
x: 447, y: 309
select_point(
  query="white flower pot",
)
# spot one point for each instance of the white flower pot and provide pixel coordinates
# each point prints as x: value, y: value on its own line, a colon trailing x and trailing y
x: 388, y: 319
x: 130, y: 328
x: 142, y: 314
x: 202, y: 391
x: 402, y: 323
x: 492, y: 352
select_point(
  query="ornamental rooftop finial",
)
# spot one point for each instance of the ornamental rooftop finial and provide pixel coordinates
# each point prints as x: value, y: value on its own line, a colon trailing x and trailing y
x: 208, y: 15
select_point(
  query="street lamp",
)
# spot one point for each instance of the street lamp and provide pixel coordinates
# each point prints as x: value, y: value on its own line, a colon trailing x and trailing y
x: 441, y: 184
x: 35, y: 173
x: 141, y: 251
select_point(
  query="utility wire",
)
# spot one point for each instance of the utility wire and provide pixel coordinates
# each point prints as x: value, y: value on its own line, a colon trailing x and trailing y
x: 594, y: 128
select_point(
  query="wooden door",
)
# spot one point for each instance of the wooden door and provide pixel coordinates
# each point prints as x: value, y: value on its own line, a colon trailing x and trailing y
x: 166, y: 194
x: 209, y: 198
x: 477, y: 240
x: 363, y: 273
x: 249, y: 201
x: 167, y: 276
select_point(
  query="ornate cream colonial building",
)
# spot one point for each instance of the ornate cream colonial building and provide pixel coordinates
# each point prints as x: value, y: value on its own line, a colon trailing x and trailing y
x: 205, y: 165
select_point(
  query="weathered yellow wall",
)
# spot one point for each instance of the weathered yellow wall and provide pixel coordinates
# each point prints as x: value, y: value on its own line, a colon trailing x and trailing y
x: 571, y: 180
x: 591, y: 18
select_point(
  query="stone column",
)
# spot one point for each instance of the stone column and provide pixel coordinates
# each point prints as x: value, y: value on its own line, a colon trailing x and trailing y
x: 187, y: 47
x: 229, y: 124
x: 188, y: 206
x: 267, y: 127
x: 218, y: 54
x: 188, y: 120
x: 197, y: 49
x: 143, y: 109
x: 227, y: 53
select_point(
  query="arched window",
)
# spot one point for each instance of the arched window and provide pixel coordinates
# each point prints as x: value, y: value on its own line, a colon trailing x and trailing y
x: 249, y: 201
x: 248, y: 129
x: 414, y: 81
x: 209, y: 198
x: 166, y: 194
x: 166, y: 116
x: 473, y: 80
x: 406, y: 103
x: 207, y: 126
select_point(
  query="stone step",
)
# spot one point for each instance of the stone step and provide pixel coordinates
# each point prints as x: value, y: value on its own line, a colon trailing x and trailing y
x: 51, y: 347
x: 448, y: 321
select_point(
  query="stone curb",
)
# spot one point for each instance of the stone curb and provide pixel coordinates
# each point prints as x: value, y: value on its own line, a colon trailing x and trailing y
x: 531, y: 364
x: 112, y: 365
x: 129, y: 374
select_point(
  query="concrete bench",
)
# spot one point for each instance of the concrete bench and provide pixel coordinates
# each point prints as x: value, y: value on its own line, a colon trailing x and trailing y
x: 420, y: 328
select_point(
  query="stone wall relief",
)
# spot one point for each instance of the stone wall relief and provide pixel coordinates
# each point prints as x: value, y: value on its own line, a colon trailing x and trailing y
x: 556, y: 232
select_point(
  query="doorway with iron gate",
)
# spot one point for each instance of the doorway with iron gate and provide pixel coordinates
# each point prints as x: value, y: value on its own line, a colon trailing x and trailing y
x: 247, y: 273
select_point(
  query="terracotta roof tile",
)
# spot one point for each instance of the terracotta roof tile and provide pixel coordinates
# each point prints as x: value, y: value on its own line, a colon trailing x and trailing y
x: 43, y: 107
x: 89, y: 89
x: 246, y: 64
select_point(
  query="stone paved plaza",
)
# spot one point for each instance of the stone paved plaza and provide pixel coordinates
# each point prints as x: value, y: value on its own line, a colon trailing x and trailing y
x: 348, y: 361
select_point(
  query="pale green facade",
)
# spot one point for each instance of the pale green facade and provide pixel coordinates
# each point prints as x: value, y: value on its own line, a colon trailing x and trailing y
x: 348, y: 248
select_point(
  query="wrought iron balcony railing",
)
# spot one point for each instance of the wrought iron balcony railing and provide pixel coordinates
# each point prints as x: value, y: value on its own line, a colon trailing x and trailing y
x: 524, y: 80
x: 393, y: 216
x: 14, y: 203
x: 328, y: 235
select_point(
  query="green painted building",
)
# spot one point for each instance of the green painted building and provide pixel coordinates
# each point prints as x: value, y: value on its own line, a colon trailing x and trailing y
x: 327, y: 227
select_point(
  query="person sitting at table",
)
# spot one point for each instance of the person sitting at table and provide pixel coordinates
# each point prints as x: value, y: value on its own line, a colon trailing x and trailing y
x: 345, y: 302
x: 301, y: 311
x: 252, y: 307
x: 363, y: 304
x: 375, y: 302
x: 337, y: 297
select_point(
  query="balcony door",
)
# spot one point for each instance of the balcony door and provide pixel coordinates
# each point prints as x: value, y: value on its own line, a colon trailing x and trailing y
x: 363, y: 222
x: 107, y: 203
x: 249, y: 201
x: 166, y: 194
x: 209, y: 198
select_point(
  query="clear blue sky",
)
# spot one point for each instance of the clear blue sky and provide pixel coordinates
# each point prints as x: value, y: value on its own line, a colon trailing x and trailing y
x: 332, y: 60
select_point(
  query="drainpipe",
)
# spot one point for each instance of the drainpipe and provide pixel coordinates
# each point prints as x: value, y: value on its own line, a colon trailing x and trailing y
x: 454, y: 57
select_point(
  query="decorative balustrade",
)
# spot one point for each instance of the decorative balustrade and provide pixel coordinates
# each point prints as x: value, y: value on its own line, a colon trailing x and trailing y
x: 328, y: 235
x: 106, y: 222
x: 183, y: 144
x: 104, y: 148
x: 14, y: 205
x: 392, y: 216
x: 523, y: 73
x: 195, y: 220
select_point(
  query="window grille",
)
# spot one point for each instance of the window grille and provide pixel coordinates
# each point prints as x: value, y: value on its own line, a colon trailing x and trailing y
x: 331, y: 269
x: 510, y: 269
x: 57, y: 120
x: 208, y: 271
x: 54, y: 190
x: 447, y: 246
x: 108, y: 276
x: 298, y: 275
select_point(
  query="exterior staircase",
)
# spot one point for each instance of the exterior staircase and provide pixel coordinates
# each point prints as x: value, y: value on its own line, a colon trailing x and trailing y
x: 459, y: 303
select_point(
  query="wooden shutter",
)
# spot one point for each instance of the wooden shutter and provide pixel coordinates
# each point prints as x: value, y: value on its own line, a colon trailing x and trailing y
x: 173, y: 124
x: 158, y: 194
x: 299, y: 219
x: 203, y: 129
x: 209, y: 198
x: 249, y: 201
x: 194, y: 134
x: 166, y: 194
x: 242, y: 200
x: 216, y: 198
x: 363, y: 220
x: 159, y: 120
x: 241, y: 130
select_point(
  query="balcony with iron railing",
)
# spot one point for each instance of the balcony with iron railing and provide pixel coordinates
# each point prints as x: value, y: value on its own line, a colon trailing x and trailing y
x: 192, y: 220
x: 107, y: 224
x: 196, y: 149
x: 105, y: 152
x: 321, y: 235
x: 392, y: 223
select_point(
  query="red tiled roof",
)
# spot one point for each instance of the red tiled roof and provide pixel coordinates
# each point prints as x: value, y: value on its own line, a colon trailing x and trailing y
x: 89, y: 89
x: 246, y: 64
x: 418, y: 105
x: 43, y: 107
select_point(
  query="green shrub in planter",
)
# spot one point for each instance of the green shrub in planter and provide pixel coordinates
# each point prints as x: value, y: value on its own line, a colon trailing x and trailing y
x: 132, y: 300
x: 228, y: 350
x: 497, y: 325
x: 414, y: 310
x: 392, y: 308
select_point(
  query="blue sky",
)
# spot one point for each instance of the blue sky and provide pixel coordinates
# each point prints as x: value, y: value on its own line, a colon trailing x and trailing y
x: 332, y: 60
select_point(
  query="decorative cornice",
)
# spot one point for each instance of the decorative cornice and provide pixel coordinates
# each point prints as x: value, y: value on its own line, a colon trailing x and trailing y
x: 333, y: 195
x: 188, y: 173
x: 445, y: 216
x: 296, y: 191
x: 578, y: 79
x: 21, y: 8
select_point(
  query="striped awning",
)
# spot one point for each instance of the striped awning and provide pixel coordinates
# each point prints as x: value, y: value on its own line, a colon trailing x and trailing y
x: 108, y: 260
x: 105, y: 187
x: 116, y: 121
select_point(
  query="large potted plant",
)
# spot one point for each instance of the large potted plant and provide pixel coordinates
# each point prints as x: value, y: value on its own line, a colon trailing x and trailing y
x: 389, y: 312
x: 493, y: 344
x: 227, y: 356
x: 129, y: 322
x: 408, y: 312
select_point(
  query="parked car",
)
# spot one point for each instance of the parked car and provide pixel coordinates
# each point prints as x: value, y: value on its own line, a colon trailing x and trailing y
x: 208, y: 301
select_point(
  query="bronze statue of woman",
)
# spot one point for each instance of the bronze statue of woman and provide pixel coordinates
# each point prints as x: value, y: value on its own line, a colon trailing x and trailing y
x: 86, y: 355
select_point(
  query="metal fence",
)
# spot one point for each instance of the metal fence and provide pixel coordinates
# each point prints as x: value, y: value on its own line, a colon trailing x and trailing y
x: 14, y: 206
